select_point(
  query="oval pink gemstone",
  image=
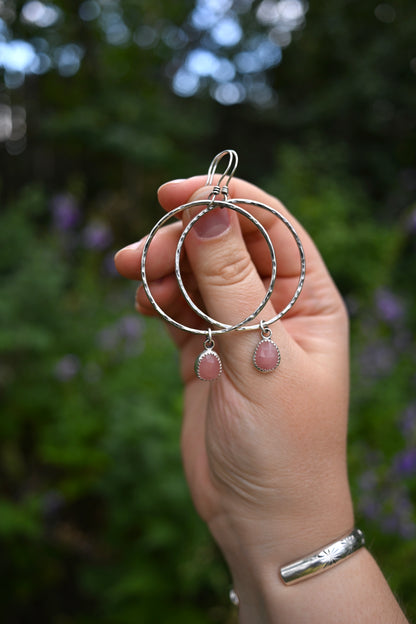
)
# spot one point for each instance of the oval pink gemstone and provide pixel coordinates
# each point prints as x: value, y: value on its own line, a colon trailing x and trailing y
x: 266, y: 356
x: 208, y: 366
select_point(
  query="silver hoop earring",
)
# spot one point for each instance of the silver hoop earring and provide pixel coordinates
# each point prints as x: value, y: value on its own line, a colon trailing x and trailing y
x: 208, y: 364
x: 266, y: 357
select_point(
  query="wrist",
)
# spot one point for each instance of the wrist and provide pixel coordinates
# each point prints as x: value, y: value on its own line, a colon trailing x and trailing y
x: 256, y: 546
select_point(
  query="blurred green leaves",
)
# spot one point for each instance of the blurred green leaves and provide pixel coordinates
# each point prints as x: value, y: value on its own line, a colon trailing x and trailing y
x: 96, y: 523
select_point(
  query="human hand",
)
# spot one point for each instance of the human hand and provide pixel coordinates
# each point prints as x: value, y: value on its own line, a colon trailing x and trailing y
x: 264, y: 454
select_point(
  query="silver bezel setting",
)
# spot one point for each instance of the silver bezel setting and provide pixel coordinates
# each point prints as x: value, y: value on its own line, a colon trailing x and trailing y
x: 266, y: 370
x: 199, y: 359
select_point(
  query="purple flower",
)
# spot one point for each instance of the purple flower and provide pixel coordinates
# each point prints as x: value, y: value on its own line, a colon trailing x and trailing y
x: 65, y: 212
x: 377, y: 359
x: 67, y: 367
x: 130, y: 326
x: 408, y: 420
x: 389, y: 306
x: 368, y: 480
x: 384, y: 497
x: 370, y: 508
x: 405, y: 462
x: 407, y: 529
x: 97, y: 235
x: 107, y: 338
x: 108, y: 265
x: 123, y: 336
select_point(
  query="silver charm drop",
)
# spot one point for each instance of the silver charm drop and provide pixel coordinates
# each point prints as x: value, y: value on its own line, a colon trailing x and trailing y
x: 266, y: 357
x: 208, y: 365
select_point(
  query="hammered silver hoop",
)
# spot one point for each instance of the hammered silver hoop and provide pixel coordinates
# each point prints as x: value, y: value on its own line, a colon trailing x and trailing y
x: 233, y: 204
x: 276, y: 213
x: 210, y: 205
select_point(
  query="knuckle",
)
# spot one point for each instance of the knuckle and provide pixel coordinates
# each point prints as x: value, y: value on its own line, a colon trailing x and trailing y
x: 229, y: 269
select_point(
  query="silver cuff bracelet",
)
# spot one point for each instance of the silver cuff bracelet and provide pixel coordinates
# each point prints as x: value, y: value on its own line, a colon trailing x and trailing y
x: 324, y: 559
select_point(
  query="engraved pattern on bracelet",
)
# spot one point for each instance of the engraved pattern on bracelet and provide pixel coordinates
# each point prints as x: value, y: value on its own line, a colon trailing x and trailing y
x: 324, y: 559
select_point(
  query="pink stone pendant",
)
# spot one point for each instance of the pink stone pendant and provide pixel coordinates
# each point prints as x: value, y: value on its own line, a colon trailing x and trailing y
x: 266, y: 356
x: 208, y: 366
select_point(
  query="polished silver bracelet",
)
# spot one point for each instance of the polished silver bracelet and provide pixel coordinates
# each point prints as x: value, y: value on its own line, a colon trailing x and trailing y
x: 322, y: 560
x: 317, y: 562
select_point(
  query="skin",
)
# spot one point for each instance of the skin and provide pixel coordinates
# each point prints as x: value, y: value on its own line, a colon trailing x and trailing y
x: 264, y: 454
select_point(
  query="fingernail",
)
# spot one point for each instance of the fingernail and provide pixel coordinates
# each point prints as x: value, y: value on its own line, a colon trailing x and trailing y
x: 212, y: 224
x: 177, y: 181
x: 131, y: 247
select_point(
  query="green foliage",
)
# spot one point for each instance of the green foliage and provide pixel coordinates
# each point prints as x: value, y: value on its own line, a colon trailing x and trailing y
x: 95, y: 518
x: 93, y: 499
x: 359, y: 251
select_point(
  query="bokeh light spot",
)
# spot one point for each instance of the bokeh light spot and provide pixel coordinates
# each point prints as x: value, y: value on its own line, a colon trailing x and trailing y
x: 89, y: 10
x: 385, y: 13
x: 227, y: 32
x: 68, y: 59
x: 17, y: 55
x: 185, y: 83
x: 202, y: 62
x: 230, y: 93
x: 145, y: 37
x: 40, y: 14
x: 225, y: 71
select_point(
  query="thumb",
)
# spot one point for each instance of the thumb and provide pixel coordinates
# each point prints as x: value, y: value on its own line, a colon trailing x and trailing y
x: 228, y: 281
x: 227, y: 278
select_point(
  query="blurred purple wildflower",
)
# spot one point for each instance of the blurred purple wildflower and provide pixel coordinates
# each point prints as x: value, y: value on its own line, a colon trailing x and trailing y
x: 130, y: 326
x: 390, y: 307
x: 403, y: 339
x: 65, y: 212
x: 97, y: 235
x: 67, y: 367
x: 108, y: 265
x: 408, y: 420
x: 107, y: 338
x: 405, y: 462
x: 377, y: 359
x: 123, y: 336
x: 398, y: 518
x: 368, y: 504
x: 368, y: 480
x: 385, y: 500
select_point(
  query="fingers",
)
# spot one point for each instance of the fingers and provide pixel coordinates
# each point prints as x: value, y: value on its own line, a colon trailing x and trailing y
x: 161, y: 256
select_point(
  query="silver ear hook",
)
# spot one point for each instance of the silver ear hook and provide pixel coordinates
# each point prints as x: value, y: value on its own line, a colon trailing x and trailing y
x: 229, y: 171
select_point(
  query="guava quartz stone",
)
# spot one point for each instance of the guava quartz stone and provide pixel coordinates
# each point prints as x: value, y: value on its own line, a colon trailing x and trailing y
x: 208, y: 365
x: 266, y: 357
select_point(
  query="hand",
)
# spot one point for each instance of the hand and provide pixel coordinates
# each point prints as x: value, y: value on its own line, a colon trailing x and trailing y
x: 264, y: 454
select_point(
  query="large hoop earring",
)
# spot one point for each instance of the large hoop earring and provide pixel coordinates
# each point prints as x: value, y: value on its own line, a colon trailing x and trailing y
x: 267, y: 355
x: 233, y: 204
x: 208, y: 364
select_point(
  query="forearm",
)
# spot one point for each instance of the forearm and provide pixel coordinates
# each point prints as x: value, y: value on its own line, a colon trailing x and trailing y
x: 355, y: 591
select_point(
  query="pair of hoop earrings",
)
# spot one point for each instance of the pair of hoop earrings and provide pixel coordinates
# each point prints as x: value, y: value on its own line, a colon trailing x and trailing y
x: 266, y: 356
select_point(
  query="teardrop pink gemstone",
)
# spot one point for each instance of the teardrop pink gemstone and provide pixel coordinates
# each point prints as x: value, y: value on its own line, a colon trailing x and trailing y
x: 266, y: 356
x: 208, y: 366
